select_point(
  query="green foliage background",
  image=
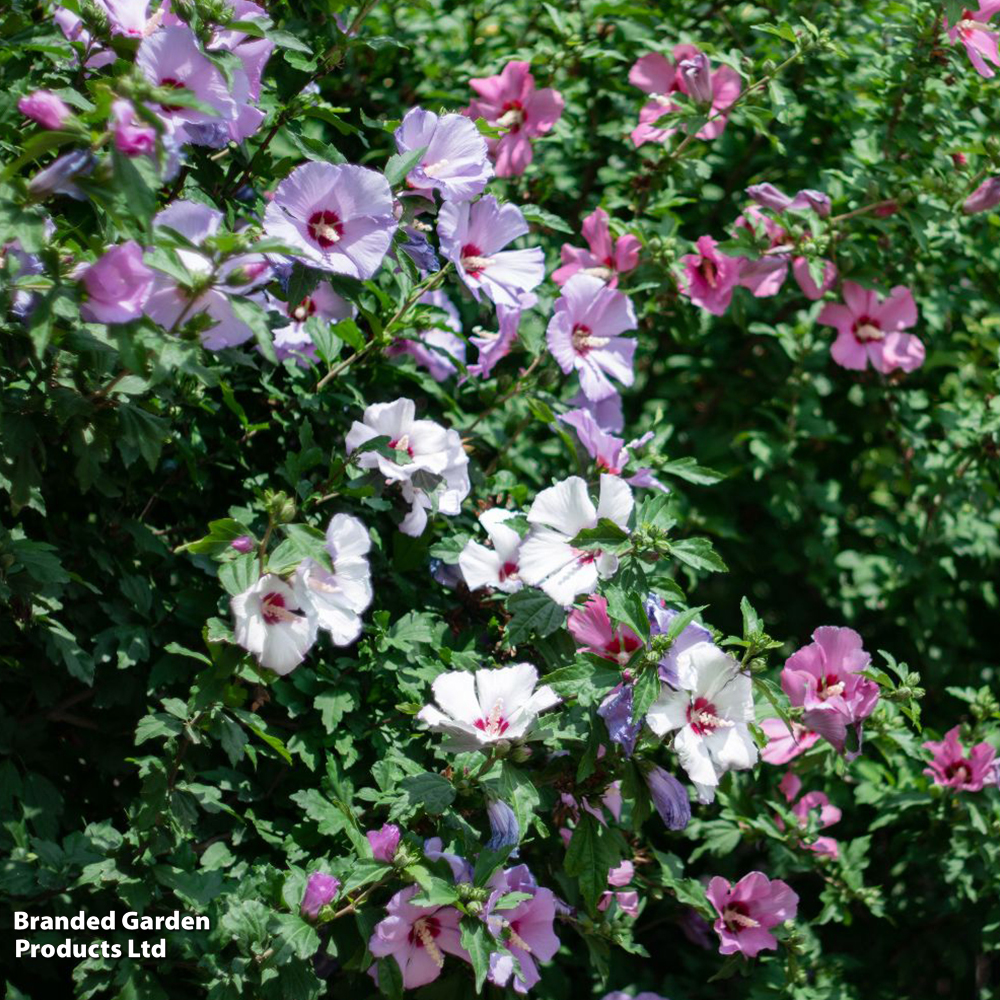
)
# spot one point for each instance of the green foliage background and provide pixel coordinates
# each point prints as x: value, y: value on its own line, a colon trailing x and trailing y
x: 146, y: 766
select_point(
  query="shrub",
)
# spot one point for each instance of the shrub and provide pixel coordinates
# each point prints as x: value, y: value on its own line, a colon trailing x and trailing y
x: 500, y: 498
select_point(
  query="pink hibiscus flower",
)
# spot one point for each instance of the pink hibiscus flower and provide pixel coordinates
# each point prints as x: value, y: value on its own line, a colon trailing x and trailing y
x: 591, y: 627
x: 870, y: 329
x: 710, y: 277
x: 816, y: 802
x: 825, y: 679
x: 603, y: 259
x: 585, y: 334
x: 526, y: 930
x: 952, y: 769
x: 416, y: 937
x: 338, y: 217
x: 748, y: 910
x: 610, y: 453
x: 510, y: 101
x: 765, y: 276
x: 473, y: 236
x: 689, y: 74
x: 980, y: 43
x: 456, y: 160
x: 784, y: 745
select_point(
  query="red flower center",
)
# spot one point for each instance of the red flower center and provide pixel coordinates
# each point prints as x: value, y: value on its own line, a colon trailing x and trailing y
x: 829, y: 686
x: 422, y: 929
x: 494, y: 724
x: 507, y: 570
x: 325, y: 228
x: 960, y: 771
x: 867, y: 329
x: 513, y: 116
x: 402, y: 444
x: 581, y: 339
x: 702, y: 717
x: 736, y: 917
x: 709, y: 272
x: 473, y: 260
x: 272, y: 607
x: 304, y: 310
x: 169, y: 81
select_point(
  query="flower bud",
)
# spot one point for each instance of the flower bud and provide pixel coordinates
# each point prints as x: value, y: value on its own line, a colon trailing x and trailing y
x: 60, y: 175
x: 985, y: 197
x: 768, y: 196
x: 384, y: 842
x: 242, y: 544
x: 503, y: 826
x: 521, y: 754
x: 321, y: 890
x: 118, y: 285
x: 47, y: 109
x: 131, y: 138
x: 816, y: 200
x: 669, y: 797
x: 696, y: 78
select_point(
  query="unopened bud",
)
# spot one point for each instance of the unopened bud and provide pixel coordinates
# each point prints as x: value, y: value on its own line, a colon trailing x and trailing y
x: 696, y: 78
x: 985, y: 197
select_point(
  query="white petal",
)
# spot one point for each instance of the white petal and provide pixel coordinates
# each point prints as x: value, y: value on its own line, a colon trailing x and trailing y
x: 286, y: 645
x: 455, y: 692
x: 616, y: 500
x: 347, y: 536
x: 480, y: 566
x: 567, y: 507
x: 694, y: 757
x: 668, y: 712
x: 733, y: 748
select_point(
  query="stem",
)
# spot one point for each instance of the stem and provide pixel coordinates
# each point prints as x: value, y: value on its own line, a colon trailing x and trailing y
x: 886, y: 203
x: 353, y: 905
x: 418, y: 291
x: 756, y: 85
x: 105, y: 389
x: 513, y: 392
x: 262, y: 549
x: 487, y: 764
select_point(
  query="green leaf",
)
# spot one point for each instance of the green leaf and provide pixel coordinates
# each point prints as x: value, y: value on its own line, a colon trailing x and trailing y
x: 295, y: 937
x: 390, y: 979
x: 604, y: 535
x: 533, y: 613
x: 545, y: 219
x: 158, y: 724
x: 626, y: 606
x: 479, y: 943
x: 350, y: 333
x: 250, y: 313
x: 752, y: 624
x: 258, y: 727
x: 690, y: 471
x: 698, y: 553
x: 646, y: 691
x: 220, y: 537
x: 433, y: 792
x: 682, y: 620
x: 591, y: 853
x: 435, y: 891
x: 400, y: 164
x: 240, y: 574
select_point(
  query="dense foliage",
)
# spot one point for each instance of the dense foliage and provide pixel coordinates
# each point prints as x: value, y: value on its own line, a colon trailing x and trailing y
x: 355, y: 357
